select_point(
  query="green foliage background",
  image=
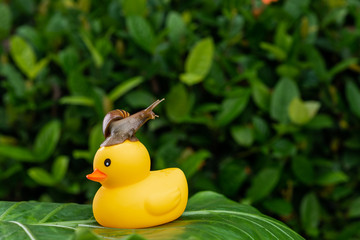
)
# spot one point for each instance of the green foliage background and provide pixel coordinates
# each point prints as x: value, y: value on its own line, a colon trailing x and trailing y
x: 262, y: 101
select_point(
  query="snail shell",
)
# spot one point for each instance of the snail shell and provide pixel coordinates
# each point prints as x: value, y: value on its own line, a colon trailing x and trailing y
x: 111, y: 116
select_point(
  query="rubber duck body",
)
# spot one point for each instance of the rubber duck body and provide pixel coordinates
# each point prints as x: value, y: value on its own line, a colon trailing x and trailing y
x: 132, y: 196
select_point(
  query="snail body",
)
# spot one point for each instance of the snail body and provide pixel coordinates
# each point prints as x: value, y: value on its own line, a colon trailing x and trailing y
x: 132, y: 196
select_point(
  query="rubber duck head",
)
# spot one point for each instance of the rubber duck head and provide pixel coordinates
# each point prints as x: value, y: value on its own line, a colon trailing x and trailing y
x: 122, y: 159
x: 121, y: 164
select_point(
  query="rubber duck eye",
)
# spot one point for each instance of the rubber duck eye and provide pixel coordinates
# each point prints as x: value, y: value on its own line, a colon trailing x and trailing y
x: 107, y: 162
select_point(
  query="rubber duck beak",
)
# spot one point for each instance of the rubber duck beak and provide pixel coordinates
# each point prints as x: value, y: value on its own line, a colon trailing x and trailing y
x: 96, y: 176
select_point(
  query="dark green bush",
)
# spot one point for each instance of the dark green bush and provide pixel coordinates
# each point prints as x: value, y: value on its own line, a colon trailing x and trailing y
x: 262, y: 101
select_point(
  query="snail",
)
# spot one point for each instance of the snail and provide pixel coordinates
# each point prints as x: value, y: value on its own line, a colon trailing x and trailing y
x: 119, y: 125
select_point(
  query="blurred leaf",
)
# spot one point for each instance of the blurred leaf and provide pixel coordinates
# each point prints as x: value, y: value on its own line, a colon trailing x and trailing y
x: 261, y: 95
x: 14, y: 78
x: 77, y: 100
x: 78, y: 85
x: 175, y: 26
x: 298, y: 112
x: 233, y: 106
x: 312, y: 108
x: 342, y: 66
x: 231, y: 177
x: 354, y: 208
x: 59, y: 168
x: 194, y: 162
x: 310, y: 214
x: 17, y: 153
x: 278, y: 206
x: 96, y: 56
x: 141, y: 32
x: 277, y: 52
x: 320, y: 121
x: 283, y: 148
x: 261, y: 129
x: 333, y: 177
x: 41, y: 176
x: 243, y: 135
x: 303, y: 169
x: 95, y: 139
x: 198, y: 62
x: 139, y: 98
x: 68, y: 59
x: 286, y: 70
x: 40, y: 65
x: 263, y: 184
x: 46, y: 140
x: 178, y: 104
x: 23, y: 55
x: 134, y: 7
x: 285, y: 91
x: 295, y: 8
x: 6, y: 20
x: 353, y: 97
x: 124, y: 87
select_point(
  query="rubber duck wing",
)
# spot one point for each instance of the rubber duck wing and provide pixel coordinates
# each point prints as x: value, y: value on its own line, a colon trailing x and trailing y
x: 164, y: 202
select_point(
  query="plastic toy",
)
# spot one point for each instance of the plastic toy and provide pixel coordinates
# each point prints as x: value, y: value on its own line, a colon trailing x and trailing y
x: 132, y: 196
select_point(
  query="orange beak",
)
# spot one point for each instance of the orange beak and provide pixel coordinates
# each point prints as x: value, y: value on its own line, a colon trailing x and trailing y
x: 96, y: 176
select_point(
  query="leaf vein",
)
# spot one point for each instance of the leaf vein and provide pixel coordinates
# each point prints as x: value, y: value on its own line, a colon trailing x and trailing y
x: 26, y: 230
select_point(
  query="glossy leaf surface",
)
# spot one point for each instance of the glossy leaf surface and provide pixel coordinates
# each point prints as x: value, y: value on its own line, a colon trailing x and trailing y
x: 208, y: 216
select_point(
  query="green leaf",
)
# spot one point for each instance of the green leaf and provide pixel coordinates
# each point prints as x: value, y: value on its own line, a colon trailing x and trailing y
x: 134, y: 7
x: 17, y: 153
x: 233, y: 106
x: 96, y: 138
x: 320, y: 121
x: 310, y: 214
x: 141, y: 32
x: 175, y: 26
x: 263, y: 184
x: 303, y: 169
x: 125, y: 87
x: 260, y: 94
x: 312, y: 108
x: 46, y: 140
x: 285, y: 91
x: 354, y: 208
x: 77, y: 100
x: 38, y: 67
x: 6, y: 20
x: 41, y: 176
x: 231, y: 176
x: 342, y: 66
x: 208, y: 216
x: 243, y: 135
x: 277, y: 52
x: 194, y: 162
x: 23, y: 55
x: 14, y: 78
x: 96, y: 56
x: 353, y: 97
x: 333, y: 177
x: 68, y: 58
x: 198, y: 62
x: 261, y: 129
x: 278, y: 206
x: 59, y: 168
x: 178, y: 104
x: 298, y: 112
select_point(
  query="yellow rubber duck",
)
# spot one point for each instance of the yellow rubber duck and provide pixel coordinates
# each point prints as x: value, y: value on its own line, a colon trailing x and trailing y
x: 132, y: 196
